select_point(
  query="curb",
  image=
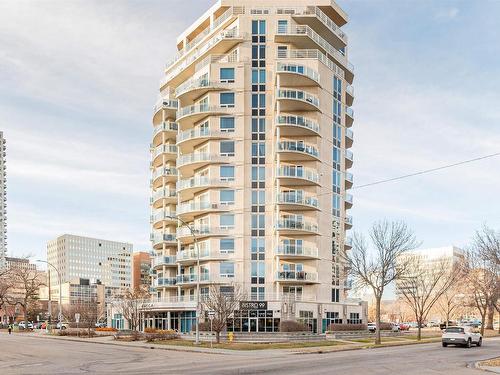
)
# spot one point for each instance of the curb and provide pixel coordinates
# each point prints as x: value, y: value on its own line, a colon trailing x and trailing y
x: 477, y: 365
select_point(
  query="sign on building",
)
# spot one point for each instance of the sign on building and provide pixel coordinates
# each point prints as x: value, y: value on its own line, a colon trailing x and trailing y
x: 253, y: 305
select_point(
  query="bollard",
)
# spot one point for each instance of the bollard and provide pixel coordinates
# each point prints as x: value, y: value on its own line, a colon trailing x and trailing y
x: 230, y: 336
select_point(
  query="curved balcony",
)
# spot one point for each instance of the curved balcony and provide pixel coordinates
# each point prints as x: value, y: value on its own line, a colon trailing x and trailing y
x: 188, y: 163
x: 297, y: 277
x: 349, y: 95
x: 349, y: 159
x: 161, y: 218
x: 168, y: 128
x: 193, y: 278
x: 168, y: 107
x: 349, y: 180
x: 349, y: 117
x: 349, y: 138
x: 348, y: 222
x: 297, y: 200
x: 186, y: 188
x: 291, y: 125
x: 192, y: 137
x: 195, y: 88
x: 163, y: 153
x: 187, y: 211
x: 348, y: 243
x: 167, y: 261
x: 190, y: 256
x: 165, y: 282
x: 163, y: 175
x: 163, y: 196
x: 297, y: 100
x: 293, y: 226
x: 348, y: 201
x: 297, y: 252
x: 195, y: 113
x: 163, y: 239
x: 297, y: 75
x: 186, y: 235
x: 293, y: 150
x: 295, y: 176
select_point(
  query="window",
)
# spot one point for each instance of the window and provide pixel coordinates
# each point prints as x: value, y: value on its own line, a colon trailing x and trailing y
x: 258, y: 269
x: 226, y: 269
x: 282, y: 52
x: 227, y: 75
x: 335, y: 295
x: 258, y: 293
x: 332, y: 317
x: 226, y: 221
x: 227, y: 172
x: 336, y: 155
x: 226, y: 245
x: 258, y: 245
x: 227, y: 148
x: 258, y: 149
x: 354, y: 319
x: 258, y: 174
x: 258, y: 125
x: 258, y: 101
x: 226, y: 124
x: 258, y: 76
x: 258, y: 27
x: 258, y: 221
x: 226, y: 197
x: 258, y: 197
x: 227, y: 99
x: 282, y: 26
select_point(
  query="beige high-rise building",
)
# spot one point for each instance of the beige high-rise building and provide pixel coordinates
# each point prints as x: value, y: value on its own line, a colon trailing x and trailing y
x: 251, y: 151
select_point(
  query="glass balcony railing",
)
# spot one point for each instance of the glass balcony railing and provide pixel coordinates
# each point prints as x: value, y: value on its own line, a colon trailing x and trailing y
x: 199, y: 206
x: 164, y: 260
x: 349, y: 155
x: 191, y: 254
x: 349, y: 198
x: 158, y: 238
x: 199, y: 133
x: 348, y: 220
x: 350, y: 90
x: 198, y: 83
x: 192, y: 278
x: 297, y: 276
x: 163, y: 193
x: 298, y: 198
x: 298, y: 121
x: 348, y: 241
x: 297, y: 251
x: 199, y: 157
x: 159, y: 172
x: 298, y: 147
x: 295, y: 172
x: 349, y: 177
x: 295, y: 224
x: 203, y: 230
x: 166, y: 126
x: 349, y: 134
x: 310, y: 54
x: 349, y: 111
x: 165, y: 281
x: 159, y: 215
x: 201, y: 108
x: 164, y: 149
x: 298, y: 69
x: 166, y: 103
x: 298, y: 95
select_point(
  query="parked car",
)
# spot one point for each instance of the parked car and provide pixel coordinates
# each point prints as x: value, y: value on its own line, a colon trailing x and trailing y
x: 100, y: 325
x: 464, y: 336
x: 372, y: 327
x: 62, y: 325
x: 404, y: 326
x: 450, y: 323
x: 25, y: 325
x: 433, y: 323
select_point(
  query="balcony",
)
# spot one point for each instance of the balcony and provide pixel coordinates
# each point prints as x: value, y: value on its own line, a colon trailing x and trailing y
x: 297, y: 100
x: 167, y: 261
x: 348, y: 222
x: 297, y: 277
x: 163, y: 196
x: 188, y: 163
x: 297, y: 75
x: 305, y: 37
x: 161, y: 218
x: 294, y: 126
x: 184, y: 67
x: 160, y: 239
x: 193, y: 137
x: 348, y: 243
x: 349, y: 180
x: 349, y: 138
x: 164, y: 282
x: 186, y: 234
x: 169, y: 108
x: 197, y: 112
x: 176, y: 303
x: 163, y: 175
x: 349, y: 117
x: 297, y: 200
x: 294, y: 226
x: 348, y: 284
x: 348, y: 201
x: 349, y: 159
x: 293, y: 150
x: 349, y: 94
x: 195, y: 88
x: 190, y: 256
x: 296, y: 175
x: 187, y: 211
x: 297, y: 252
x: 311, y: 54
x: 188, y: 187
x: 163, y: 153
x: 167, y: 129
x: 193, y: 278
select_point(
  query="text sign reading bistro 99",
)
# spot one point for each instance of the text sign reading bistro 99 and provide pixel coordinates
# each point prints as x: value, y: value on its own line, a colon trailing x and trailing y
x: 253, y: 305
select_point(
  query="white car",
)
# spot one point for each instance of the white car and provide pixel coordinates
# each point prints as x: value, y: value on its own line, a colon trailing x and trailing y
x: 464, y: 336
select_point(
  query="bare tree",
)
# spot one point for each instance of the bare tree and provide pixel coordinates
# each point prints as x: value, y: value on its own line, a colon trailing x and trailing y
x: 378, y: 268
x: 424, y: 283
x: 27, y: 283
x: 222, y: 302
x: 452, y: 299
x: 89, y: 311
x: 129, y: 303
x: 5, y: 290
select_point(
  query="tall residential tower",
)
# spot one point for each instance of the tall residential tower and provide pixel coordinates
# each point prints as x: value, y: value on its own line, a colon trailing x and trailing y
x: 3, y: 202
x: 251, y: 152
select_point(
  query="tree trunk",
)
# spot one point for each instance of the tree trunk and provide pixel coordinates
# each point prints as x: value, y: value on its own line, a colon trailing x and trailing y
x: 377, y: 320
x: 419, y: 327
x: 491, y: 314
x: 483, y: 321
x: 217, y: 337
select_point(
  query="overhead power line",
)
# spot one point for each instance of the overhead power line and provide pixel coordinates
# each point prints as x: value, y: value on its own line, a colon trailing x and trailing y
x: 426, y: 171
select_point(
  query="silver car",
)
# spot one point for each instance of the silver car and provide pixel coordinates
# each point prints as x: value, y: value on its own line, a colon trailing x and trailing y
x: 463, y: 336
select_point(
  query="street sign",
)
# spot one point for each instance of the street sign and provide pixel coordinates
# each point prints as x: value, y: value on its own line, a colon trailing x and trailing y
x: 77, y: 317
x: 211, y: 315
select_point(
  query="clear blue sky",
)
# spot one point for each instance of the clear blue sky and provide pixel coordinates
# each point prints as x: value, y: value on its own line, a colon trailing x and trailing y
x: 79, y: 79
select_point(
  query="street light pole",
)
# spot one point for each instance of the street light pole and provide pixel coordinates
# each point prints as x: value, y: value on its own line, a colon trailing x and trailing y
x: 197, y: 341
x: 60, y: 291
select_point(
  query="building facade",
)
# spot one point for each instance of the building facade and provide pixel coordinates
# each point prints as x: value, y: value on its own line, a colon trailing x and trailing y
x: 251, y: 153
x: 3, y: 201
x: 99, y: 261
x: 141, y: 270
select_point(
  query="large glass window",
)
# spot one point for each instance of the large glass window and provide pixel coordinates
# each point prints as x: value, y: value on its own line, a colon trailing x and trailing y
x: 258, y: 221
x: 258, y: 76
x: 226, y: 124
x: 258, y: 174
x: 226, y: 197
x: 258, y: 197
x: 227, y: 148
x: 227, y: 74
x: 335, y: 295
x: 227, y: 99
x: 226, y: 269
x: 226, y: 221
x: 258, y: 149
x: 226, y: 245
x: 227, y: 172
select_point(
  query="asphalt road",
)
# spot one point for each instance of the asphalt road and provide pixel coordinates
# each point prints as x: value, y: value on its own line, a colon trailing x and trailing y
x: 22, y: 354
